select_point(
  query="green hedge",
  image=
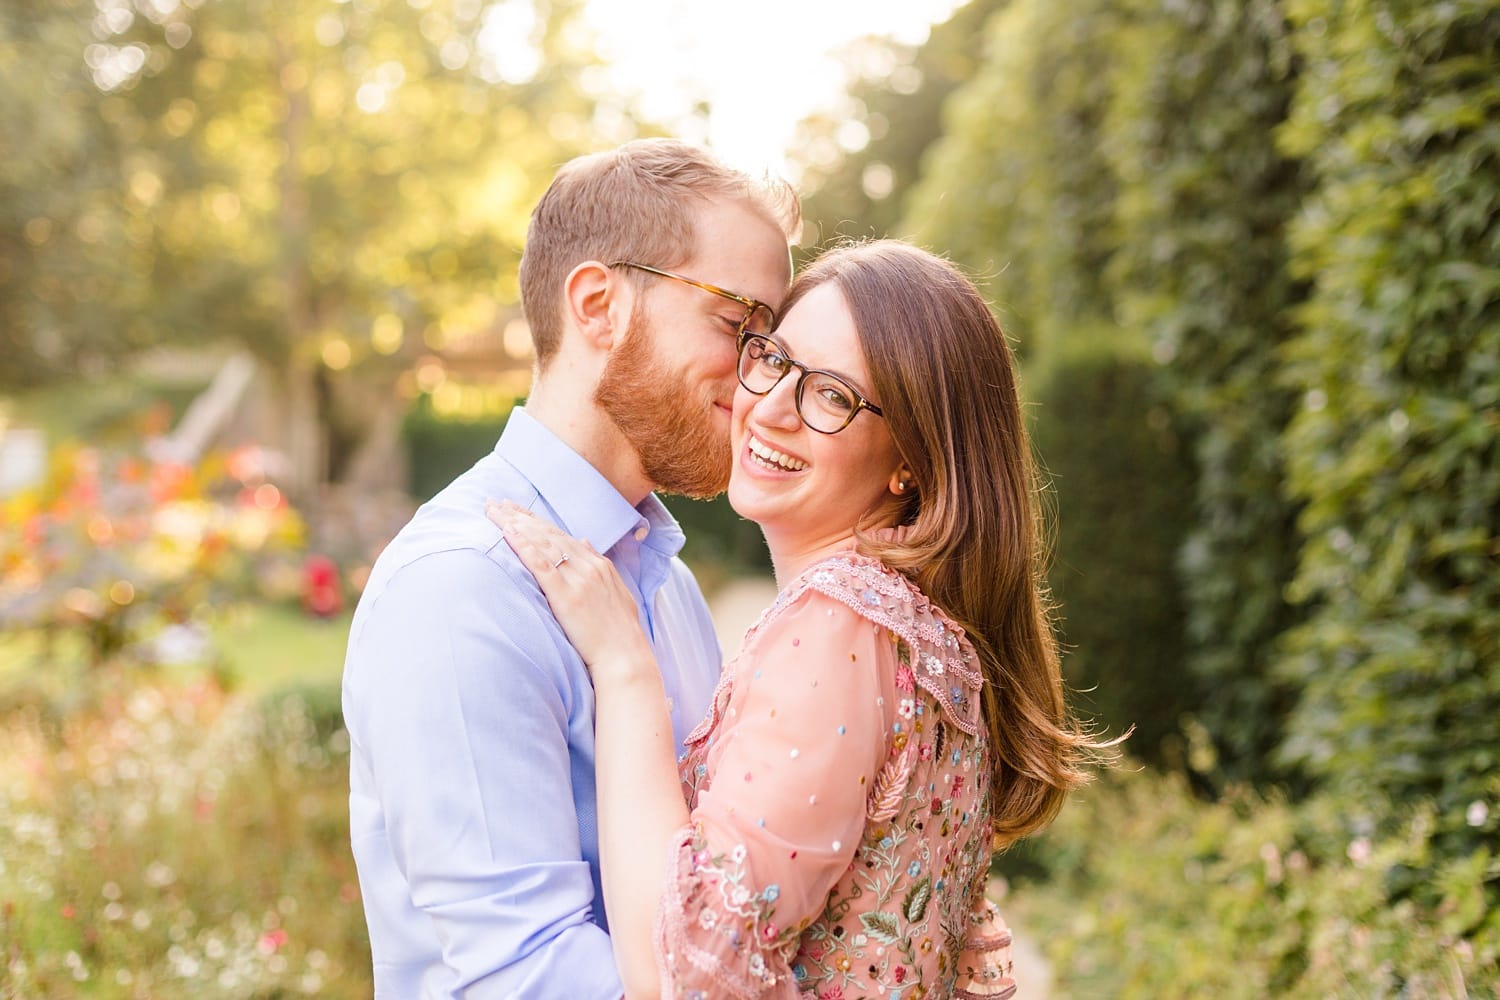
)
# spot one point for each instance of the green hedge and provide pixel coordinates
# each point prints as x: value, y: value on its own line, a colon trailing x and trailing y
x: 439, y: 448
x: 1395, y: 449
x: 1123, y: 492
x: 1205, y: 199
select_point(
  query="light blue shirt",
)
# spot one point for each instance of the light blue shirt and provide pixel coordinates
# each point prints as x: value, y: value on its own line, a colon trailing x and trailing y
x: 471, y: 724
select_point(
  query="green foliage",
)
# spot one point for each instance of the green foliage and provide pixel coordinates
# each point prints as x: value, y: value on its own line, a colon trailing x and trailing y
x: 1394, y: 450
x: 1123, y: 492
x: 1204, y: 200
x: 1249, y: 897
x: 338, y: 189
x: 171, y: 841
x: 66, y: 289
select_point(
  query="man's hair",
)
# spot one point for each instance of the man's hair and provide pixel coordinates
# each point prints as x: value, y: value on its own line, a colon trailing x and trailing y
x: 636, y: 203
x: 975, y: 544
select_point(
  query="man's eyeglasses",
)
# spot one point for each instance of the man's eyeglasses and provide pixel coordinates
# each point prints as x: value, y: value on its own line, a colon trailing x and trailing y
x: 759, y: 318
x: 825, y: 402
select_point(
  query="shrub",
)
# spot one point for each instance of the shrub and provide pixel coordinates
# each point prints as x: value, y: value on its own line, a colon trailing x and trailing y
x: 115, y: 546
x: 1249, y: 897
x: 177, y: 842
x: 1123, y: 494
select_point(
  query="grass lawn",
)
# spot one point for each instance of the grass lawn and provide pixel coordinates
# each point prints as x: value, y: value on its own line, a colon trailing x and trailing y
x: 268, y: 646
x: 260, y: 648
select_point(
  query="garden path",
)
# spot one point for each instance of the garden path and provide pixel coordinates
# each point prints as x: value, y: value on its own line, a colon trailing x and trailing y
x: 735, y: 607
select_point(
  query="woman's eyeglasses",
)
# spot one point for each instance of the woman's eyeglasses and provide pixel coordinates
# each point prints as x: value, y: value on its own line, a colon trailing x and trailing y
x: 825, y: 402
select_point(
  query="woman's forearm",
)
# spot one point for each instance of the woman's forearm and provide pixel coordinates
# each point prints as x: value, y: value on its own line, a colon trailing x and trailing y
x: 640, y: 809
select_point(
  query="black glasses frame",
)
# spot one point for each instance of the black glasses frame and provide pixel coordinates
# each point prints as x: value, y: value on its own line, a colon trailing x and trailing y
x: 751, y: 305
x: 860, y: 402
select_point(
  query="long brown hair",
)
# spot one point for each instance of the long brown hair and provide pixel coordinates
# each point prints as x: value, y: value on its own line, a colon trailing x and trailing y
x: 942, y: 370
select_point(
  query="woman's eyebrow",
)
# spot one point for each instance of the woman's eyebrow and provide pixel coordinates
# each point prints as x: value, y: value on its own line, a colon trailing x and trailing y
x: 856, y: 383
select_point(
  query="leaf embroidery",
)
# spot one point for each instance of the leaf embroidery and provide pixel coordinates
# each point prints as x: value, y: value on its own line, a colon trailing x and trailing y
x: 917, y: 899
x: 883, y: 927
x: 890, y: 788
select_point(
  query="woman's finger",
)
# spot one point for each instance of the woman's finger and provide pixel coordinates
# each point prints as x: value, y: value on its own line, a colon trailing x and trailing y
x: 540, y: 546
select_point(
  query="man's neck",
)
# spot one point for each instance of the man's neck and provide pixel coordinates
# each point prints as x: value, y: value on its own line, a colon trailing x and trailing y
x: 580, y: 424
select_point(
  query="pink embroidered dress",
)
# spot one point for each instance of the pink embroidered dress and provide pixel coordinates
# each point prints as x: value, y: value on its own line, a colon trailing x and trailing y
x: 839, y: 836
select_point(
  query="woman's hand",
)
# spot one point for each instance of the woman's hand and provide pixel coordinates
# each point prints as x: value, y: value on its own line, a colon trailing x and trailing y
x: 588, y: 598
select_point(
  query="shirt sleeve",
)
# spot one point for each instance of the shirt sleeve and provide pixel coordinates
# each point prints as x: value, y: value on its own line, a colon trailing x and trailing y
x: 985, y: 968
x: 464, y: 709
x: 790, y: 771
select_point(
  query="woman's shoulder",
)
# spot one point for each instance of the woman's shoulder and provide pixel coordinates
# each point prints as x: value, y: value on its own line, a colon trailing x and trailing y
x: 929, y: 645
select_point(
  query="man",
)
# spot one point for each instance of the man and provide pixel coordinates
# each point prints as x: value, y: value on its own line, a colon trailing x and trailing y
x: 470, y: 716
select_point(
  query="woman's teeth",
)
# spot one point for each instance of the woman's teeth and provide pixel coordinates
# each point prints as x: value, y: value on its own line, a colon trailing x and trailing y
x: 773, y: 459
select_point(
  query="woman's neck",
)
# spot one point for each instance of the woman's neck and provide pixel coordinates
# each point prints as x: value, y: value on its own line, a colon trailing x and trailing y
x: 791, y: 557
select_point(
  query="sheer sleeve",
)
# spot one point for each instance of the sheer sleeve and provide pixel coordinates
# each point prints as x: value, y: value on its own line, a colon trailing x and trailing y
x: 984, y: 968
x: 781, y: 809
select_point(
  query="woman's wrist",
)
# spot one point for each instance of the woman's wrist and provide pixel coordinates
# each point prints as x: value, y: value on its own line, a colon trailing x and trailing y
x: 632, y: 665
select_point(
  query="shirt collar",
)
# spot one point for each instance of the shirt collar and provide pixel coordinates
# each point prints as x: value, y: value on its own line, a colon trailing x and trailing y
x: 586, y: 504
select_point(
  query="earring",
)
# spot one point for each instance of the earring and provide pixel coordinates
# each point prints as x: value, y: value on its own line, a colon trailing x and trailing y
x: 901, y: 486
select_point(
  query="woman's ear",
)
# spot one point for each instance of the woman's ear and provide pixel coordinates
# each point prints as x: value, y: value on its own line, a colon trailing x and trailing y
x: 902, y: 482
x: 596, y: 304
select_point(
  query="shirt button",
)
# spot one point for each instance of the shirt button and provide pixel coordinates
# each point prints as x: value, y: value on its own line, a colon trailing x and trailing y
x: 642, y: 532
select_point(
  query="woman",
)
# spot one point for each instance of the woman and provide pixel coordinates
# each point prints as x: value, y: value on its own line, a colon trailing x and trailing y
x: 898, y: 711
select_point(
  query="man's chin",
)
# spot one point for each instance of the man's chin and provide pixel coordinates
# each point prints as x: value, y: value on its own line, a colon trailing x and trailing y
x: 700, y: 486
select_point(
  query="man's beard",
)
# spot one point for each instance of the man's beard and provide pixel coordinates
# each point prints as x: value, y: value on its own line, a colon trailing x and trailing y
x: 672, y: 427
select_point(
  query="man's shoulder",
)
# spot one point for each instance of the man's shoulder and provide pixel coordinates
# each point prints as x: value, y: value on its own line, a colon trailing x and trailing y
x: 449, y: 545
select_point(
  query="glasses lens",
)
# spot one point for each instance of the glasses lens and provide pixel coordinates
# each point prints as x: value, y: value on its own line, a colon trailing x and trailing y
x: 827, y: 402
x: 759, y: 320
x: 761, y: 364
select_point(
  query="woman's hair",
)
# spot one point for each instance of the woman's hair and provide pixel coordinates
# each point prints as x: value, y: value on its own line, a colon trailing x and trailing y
x: 637, y: 202
x: 943, y: 374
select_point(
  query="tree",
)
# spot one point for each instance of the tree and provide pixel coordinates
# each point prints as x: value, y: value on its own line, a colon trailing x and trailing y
x: 339, y: 188
x: 858, y: 161
x: 66, y: 282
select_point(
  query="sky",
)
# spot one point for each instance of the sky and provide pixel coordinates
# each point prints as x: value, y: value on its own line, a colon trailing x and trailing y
x: 759, y: 67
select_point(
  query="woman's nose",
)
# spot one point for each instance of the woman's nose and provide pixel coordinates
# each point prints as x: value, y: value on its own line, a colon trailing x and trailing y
x: 778, y: 408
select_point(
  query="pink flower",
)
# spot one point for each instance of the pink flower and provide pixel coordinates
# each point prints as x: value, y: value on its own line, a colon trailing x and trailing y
x: 270, y: 941
x: 905, y: 681
x: 832, y: 993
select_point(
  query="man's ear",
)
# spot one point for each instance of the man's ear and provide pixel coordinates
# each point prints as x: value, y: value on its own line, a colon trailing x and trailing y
x: 597, y: 304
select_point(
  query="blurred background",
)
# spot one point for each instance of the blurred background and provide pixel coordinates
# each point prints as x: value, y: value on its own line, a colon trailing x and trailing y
x: 258, y: 300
